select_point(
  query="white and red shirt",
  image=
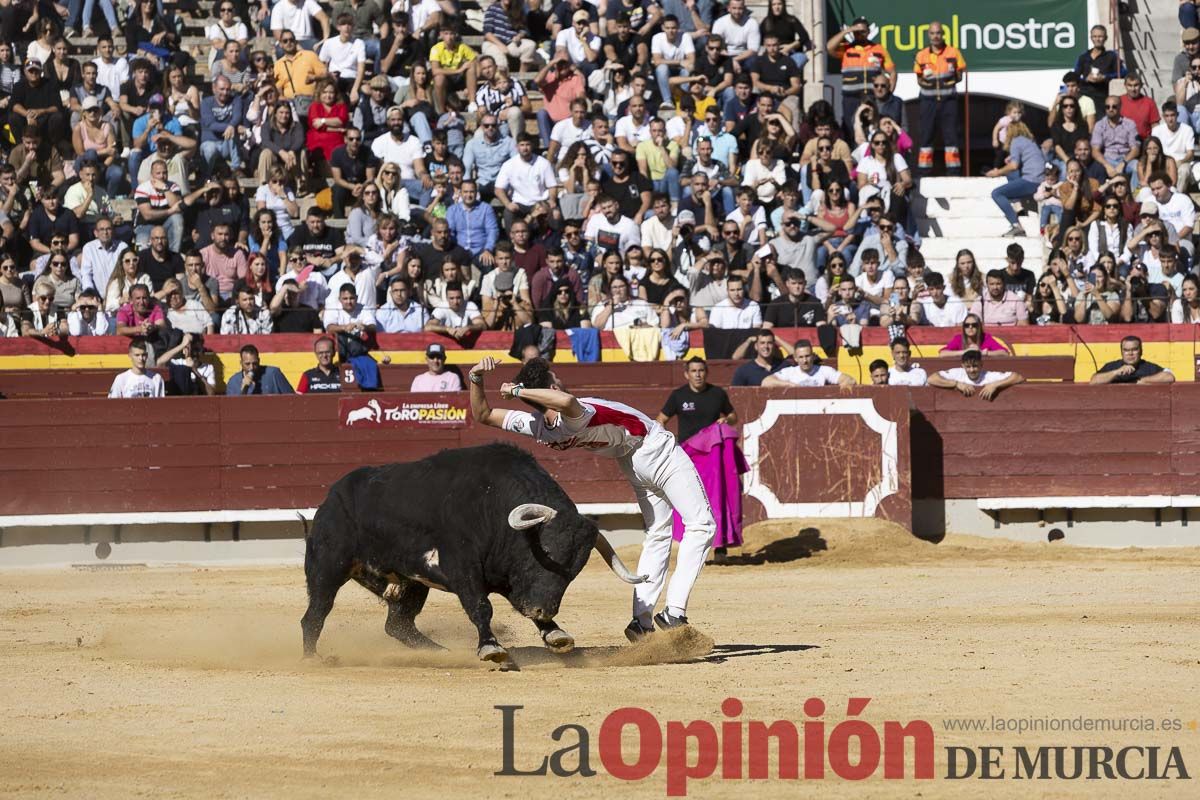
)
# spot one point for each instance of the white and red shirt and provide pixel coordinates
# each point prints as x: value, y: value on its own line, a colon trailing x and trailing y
x: 606, y: 428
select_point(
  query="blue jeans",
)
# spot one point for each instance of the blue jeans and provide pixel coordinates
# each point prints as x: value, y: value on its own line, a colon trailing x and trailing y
x: 663, y: 74
x: 420, y: 127
x: 1130, y: 169
x: 226, y: 148
x: 417, y: 194
x: 86, y: 8
x: 1047, y: 213
x: 545, y: 126
x: 1017, y: 188
x: 172, y: 224
x: 1188, y: 18
x: 799, y: 59
x: 668, y: 183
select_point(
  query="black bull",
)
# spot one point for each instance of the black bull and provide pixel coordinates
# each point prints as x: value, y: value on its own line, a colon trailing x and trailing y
x: 472, y: 522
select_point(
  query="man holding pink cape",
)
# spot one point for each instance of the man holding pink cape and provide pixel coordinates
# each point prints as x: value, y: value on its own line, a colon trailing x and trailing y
x: 706, y: 434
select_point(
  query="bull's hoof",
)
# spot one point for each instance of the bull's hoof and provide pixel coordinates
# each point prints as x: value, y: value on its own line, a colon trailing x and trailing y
x: 558, y: 641
x: 492, y: 652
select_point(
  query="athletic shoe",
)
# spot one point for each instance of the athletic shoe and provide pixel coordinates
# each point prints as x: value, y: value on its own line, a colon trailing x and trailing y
x: 472, y: 107
x: 665, y: 621
x: 635, y: 631
x: 1014, y: 232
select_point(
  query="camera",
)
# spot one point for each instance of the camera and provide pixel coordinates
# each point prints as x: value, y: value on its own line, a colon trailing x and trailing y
x: 686, y: 231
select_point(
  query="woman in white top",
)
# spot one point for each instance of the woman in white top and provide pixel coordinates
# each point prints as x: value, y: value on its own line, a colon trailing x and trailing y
x: 225, y: 28
x: 575, y: 169
x: 392, y: 193
x: 451, y: 272
x: 1116, y: 231
x: 884, y: 172
x: 765, y: 174
x: 124, y: 278
x: 1187, y: 307
x: 276, y: 196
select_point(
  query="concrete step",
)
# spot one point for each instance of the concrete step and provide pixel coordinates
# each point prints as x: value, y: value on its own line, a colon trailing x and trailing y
x: 989, y: 252
x: 1162, y: 40
x: 953, y: 208
x: 971, y: 227
x: 951, y: 188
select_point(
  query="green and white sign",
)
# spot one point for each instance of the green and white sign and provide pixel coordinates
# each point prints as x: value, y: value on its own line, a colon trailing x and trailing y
x: 993, y: 36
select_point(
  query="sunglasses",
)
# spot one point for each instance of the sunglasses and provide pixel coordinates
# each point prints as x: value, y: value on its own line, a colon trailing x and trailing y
x: 1074, y: 238
x: 295, y: 259
x: 1112, y: 205
x: 887, y: 227
x: 970, y: 324
x: 824, y: 149
x: 488, y: 125
x: 565, y: 290
x: 1108, y: 107
x: 390, y: 172
x: 1047, y: 285
x: 353, y: 139
x: 879, y: 142
x: 881, y: 86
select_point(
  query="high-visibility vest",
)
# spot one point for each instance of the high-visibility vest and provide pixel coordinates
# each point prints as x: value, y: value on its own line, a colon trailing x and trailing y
x: 860, y: 65
x: 943, y: 69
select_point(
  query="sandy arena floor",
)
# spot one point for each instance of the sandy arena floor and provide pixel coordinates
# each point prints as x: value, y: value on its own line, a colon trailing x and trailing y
x: 188, y: 682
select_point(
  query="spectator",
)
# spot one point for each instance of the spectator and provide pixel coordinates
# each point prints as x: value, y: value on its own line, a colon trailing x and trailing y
x: 1000, y: 306
x: 319, y: 244
x: 940, y: 68
x: 542, y: 284
x: 767, y: 358
x: 353, y: 272
x: 736, y: 310
x: 796, y: 308
x: 775, y: 74
x: 1098, y: 302
x: 436, y: 378
x: 324, y: 378
x: 673, y: 55
x: 122, y: 281
x: 561, y: 310
x: 473, y: 224
x: 1132, y: 368
x: 345, y: 57
x: 971, y: 379
x: 455, y: 67
x: 57, y: 274
x: 223, y: 261
x: 620, y: 309
x: 1139, y: 107
x: 49, y: 220
x: 611, y: 230
x: 506, y: 34
x: 141, y: 317
x: 159, y: 203
x: 87, y: 317
x: 1178, y: 142
x: 37, y: 103
x: 328, y: 119
x: 440, y: 249
x: 1098, y: 66
x: 43, y: 319
x: 1190, y: 38
x: 1175, y: 208
x: 222, y: 121
x: 878, y: 372
x: 1115, y: 141
x: 560, y: 83
x: 187, y: 372
x: 246, y: 317
x: 904, y: 373
x: 135, y: 381
x: 806, y: 372
x: 290, y: 310
x: 298, y: 69
x: 697, y: 403
x: 350, y: 317
x: 185, y: 315
x: 254, y: 378
x: 1023, y: 168
x: 884, y: 173
x: 458, y: 319
x: 525, y: 180
x: 973, y: 337
x: 486, y: 153
x: 579, y: 44
x: 1046, y: 304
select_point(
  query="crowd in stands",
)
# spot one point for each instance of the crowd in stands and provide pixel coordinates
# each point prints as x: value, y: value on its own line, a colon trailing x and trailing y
x: 357, y: 168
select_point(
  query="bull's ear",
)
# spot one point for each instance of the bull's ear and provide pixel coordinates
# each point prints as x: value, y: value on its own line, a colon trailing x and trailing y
x: 527, y: 515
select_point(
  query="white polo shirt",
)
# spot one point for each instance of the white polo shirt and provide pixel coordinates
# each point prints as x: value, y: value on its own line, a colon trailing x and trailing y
x: 343, y: 57
x: 915, y: 376
x: 726, y: 315
x: 297, y: 19
x: 660, y: 45
x: 386, y: 148
x: 821, y: 376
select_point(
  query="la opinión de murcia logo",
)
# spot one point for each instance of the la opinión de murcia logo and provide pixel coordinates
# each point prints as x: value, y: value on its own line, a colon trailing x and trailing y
x: 633, y: 744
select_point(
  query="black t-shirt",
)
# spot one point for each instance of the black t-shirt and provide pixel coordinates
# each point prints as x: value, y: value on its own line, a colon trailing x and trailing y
x: 314, y: 381
x: 131, y: 94
x: 42, y: 228
x: 783, y: 313
x: 298, y: 319
x: 1023, y: 281
x: 159, y: 271
x: 1144, y: 369
x: 354, y: 170
x: 628, y: 194
x: 44, y: 95
x: 432, y: 258
x: 696, y: 410
x: 627, y: 52
x: 779, y: 73
x: 715, y: 71
x: 574, y: 318
x: 319, y: 246
x: 212, y: 216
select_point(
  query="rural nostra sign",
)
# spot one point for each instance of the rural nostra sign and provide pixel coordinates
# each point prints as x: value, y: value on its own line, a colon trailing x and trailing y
x: 993, y: 37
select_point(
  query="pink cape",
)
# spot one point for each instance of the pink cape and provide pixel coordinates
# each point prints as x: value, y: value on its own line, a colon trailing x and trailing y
x: 715, y: 452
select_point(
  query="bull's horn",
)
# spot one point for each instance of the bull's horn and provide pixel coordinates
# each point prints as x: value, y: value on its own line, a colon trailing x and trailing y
x: 527, y: 515
x: 615, y: 563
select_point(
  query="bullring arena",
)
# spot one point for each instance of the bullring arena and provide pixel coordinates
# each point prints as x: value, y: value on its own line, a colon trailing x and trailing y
x: 127, y: 673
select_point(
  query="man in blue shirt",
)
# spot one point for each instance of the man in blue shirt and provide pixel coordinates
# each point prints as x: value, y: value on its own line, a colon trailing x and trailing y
x: 486, y: 153
x: 473, y: 224
x: 255, y: 378
x: 221, y: 121
x: 156, y: 125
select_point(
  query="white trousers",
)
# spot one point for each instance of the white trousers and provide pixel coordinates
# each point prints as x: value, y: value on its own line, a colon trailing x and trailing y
x: 665, y: 479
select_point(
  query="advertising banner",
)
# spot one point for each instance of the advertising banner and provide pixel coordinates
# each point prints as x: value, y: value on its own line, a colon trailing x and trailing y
x: 365, y: 411
x: 993, y: 37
